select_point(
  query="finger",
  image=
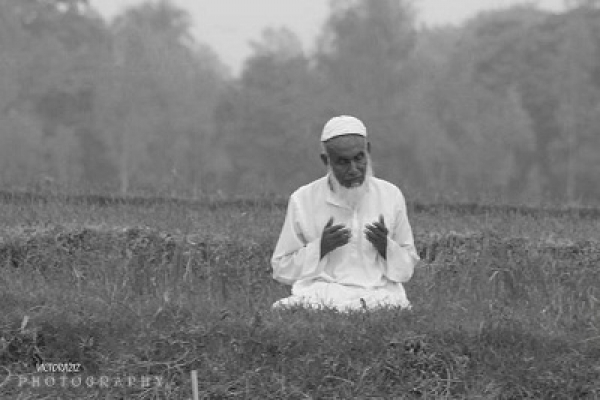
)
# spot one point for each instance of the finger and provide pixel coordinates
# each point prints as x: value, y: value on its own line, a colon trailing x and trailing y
x: 336, y: 228
x: 381, y: 228
x: 332, y: 229
x: 336, y: 241
x: 339, y: 242
x: 375, y: 229
x: 374, y: 235
x: 341, y: 233
x: 382, y: 222
x: 369, y: 230
x: 343, y: 241
x: 371, y: 236
x: 329, y: 223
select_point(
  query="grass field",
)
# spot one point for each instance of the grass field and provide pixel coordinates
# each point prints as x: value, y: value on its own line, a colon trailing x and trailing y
x: 505, y: 306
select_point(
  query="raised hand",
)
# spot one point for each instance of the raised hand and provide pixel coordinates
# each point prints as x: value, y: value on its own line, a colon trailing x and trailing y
x: 377, y: 234
x: 333, y: 236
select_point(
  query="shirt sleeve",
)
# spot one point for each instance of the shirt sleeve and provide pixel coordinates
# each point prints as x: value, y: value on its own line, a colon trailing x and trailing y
x: 401, y: 254
x: 295, y: 258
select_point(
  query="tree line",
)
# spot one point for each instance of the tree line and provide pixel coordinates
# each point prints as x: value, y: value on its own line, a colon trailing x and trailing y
x: 505, y: 105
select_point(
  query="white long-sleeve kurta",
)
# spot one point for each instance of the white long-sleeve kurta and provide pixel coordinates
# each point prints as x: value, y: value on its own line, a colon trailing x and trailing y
x: 354, y: 274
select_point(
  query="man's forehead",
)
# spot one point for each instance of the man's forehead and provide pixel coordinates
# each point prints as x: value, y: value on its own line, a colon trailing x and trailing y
x: 346, y: 144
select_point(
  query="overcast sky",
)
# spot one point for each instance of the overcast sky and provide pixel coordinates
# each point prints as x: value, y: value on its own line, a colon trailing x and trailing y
x: 229, y: 25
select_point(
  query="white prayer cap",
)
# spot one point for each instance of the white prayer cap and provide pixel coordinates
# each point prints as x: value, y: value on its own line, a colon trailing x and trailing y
x: 343, y: 125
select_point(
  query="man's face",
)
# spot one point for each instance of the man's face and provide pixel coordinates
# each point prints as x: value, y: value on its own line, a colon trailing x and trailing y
x: 348, y: 159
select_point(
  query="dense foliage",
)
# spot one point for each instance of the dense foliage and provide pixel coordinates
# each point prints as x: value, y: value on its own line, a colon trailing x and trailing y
x: 506, y: 104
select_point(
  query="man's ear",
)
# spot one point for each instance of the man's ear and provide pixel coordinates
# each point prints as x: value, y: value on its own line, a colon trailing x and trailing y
x: 369, y: 147
x: 324, y: 159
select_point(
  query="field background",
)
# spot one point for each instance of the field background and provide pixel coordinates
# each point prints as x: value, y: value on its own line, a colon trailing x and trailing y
x: 505, y: 304
x: 503, y: 107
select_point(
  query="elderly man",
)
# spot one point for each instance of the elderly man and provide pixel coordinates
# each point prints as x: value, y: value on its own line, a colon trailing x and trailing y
x: 346, y: 242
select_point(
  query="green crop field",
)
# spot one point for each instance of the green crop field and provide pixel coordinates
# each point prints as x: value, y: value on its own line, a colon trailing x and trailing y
x: 506, y: 305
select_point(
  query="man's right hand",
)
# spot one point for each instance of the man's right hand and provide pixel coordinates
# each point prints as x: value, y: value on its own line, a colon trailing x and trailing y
x: 333, y: 236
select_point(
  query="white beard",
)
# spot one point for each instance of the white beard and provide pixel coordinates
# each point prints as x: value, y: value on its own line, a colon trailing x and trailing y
x: 352, y: 196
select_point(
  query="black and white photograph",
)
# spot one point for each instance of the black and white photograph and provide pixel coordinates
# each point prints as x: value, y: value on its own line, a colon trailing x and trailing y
x: 299, y: 199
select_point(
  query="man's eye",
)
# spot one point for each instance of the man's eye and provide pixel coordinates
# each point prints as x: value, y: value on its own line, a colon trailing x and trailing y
x: 359, y: 157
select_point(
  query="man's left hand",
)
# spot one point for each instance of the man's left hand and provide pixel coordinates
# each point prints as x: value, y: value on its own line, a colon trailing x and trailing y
x: 377, y: 234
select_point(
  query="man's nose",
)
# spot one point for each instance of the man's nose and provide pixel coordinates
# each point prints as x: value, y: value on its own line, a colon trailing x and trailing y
x: 353, y: 169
